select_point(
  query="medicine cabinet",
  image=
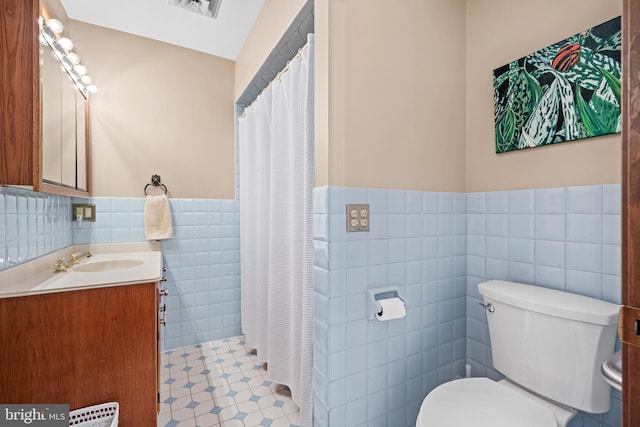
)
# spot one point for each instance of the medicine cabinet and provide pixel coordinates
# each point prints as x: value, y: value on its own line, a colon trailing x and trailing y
x: 45, y: 142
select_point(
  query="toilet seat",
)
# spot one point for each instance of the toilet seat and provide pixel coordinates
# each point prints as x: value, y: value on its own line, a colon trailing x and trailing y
x: 481, y: 402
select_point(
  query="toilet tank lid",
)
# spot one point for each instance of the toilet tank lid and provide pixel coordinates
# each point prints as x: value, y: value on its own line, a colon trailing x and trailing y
x: 551, y: 302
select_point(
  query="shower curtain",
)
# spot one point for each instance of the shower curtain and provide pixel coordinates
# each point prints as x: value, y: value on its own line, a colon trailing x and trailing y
x: 276, y: 237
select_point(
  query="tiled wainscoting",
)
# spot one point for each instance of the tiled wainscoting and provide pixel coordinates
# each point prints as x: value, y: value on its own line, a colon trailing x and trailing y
x: 31, y: 225
x: 562, y: 238
x: 436, y: 248
x: 368, y: 372
x: 202, y: 261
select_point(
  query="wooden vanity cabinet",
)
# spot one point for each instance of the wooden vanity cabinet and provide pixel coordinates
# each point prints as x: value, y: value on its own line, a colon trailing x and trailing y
x: 83, y: 348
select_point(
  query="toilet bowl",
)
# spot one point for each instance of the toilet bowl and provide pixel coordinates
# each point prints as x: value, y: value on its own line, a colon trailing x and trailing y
x: 481, y: 402
x: 549, y: 345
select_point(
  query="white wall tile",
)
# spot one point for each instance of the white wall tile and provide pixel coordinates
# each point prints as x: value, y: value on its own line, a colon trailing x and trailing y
x: 476, y: 203
x: 612, y: 199
x: 584, y: 200
x: 430, y: 202
x: 550, y: 253
x: 497, y: 225
x: 586, y: 228
x: 521, y: 201
x: 550, y: 227
x: 497, y: 202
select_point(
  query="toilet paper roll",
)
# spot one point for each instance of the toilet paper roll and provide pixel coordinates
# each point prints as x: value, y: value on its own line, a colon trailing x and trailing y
x: 391, y: 308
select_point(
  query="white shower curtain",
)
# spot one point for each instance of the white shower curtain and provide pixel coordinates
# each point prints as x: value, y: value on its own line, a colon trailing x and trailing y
x: 276, y: 235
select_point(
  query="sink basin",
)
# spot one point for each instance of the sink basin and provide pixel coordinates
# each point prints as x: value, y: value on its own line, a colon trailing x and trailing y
x: 101, y: 266
x: 612, y: 370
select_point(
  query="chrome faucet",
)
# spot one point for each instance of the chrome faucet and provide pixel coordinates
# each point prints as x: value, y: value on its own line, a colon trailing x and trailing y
x: 62, y: 264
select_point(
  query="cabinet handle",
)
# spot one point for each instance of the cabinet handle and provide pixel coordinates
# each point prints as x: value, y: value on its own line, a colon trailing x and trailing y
x: 163, y: 320
x: 163, y: 308
x: 164, y: 292
x: 164, y: 269
x: 164, y: 279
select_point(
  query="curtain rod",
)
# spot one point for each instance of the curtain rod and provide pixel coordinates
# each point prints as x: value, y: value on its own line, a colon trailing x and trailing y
x: 277, y: 77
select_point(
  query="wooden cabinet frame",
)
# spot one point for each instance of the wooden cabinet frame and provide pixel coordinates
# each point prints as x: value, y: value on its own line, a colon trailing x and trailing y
x: 20, y: 106
x: 631, y: 203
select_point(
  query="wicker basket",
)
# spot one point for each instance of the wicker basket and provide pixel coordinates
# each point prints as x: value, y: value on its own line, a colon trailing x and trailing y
x: 103, y: 415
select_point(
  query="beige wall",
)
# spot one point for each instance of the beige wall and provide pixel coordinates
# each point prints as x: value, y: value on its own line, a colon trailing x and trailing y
x: 273, y: 20
x: 403, y: 99
x: 499, y: 31
x: 391, y: 99
x: 159, y: 109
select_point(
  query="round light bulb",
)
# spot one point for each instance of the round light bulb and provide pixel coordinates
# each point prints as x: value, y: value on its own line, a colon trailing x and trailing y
x: 80, y: 69
x: 55, y: 25
x: 92, y: 88
x: 86, y: 79
x: 74, y: 58
x: 65, y: 43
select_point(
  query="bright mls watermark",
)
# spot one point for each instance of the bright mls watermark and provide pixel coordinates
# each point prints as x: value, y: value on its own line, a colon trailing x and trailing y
x: 34, y: 415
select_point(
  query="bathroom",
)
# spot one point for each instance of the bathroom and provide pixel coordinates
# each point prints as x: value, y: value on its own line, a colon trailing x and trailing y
x: 412, y: 139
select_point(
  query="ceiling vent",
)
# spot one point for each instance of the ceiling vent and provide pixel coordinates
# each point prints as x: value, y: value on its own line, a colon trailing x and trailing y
x: 203, y: 7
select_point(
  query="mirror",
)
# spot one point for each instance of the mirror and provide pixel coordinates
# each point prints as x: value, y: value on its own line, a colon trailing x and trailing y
x: 64, y: 135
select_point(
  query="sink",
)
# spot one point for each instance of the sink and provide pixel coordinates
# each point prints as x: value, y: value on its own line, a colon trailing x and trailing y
x: 109, y: 265
x: 612, y: 370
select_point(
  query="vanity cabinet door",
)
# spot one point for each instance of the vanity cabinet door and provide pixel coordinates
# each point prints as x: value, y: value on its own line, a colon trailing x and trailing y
x: 83, y: 348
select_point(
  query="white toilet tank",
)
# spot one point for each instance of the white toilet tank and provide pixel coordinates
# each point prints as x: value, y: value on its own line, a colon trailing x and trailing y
x: 552, y: 342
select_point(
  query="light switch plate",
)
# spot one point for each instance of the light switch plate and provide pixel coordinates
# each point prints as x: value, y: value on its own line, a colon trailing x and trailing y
x: 358, y: 217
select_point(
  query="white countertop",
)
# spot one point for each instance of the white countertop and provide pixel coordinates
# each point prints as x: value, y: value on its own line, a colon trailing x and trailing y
x: 139, y: 263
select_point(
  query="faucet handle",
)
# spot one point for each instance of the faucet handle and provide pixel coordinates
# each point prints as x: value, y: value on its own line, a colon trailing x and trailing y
x: 60, y: 265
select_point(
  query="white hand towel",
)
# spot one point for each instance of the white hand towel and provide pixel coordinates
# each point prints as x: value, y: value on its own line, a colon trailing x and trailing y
x: 157, y: 218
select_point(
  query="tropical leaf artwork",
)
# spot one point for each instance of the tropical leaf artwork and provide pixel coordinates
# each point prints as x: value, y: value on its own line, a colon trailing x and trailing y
x: 564, y: 92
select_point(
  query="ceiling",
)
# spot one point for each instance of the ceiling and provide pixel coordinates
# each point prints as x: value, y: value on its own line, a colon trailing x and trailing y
x: 159, y: 20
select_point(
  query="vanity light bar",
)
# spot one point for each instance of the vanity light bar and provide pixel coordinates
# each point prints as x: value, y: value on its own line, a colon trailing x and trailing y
x: 50, y: 31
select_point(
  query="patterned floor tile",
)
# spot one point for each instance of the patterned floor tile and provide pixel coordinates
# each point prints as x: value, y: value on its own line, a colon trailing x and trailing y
x: 228, y: 413
x: 253, y: 418
x: 273, y: 412
x: 182, y: 414
x: 294, y: 417
x: 207, y: 420
x: 221, y: 384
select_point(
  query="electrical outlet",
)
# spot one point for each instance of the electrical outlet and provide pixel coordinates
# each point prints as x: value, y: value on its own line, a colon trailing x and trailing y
x: 85, y: 211
x: 357, y: 218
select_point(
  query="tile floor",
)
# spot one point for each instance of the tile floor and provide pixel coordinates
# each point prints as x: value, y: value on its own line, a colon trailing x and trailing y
x: 221, y: 383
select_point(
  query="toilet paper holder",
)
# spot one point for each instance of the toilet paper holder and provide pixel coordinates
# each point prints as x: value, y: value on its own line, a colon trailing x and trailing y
x: 373, y: 304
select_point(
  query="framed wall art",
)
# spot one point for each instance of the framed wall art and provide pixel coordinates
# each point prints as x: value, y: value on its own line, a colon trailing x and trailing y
x: 567, y: 91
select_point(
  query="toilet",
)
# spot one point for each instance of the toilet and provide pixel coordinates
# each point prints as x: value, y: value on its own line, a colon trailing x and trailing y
x: 549, y: 345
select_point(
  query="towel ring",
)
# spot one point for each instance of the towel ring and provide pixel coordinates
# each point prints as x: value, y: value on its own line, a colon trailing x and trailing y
x: 155, y: 181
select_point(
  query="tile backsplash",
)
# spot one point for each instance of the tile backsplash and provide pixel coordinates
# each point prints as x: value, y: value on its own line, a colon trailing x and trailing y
x: 368, y: 372
x: 436, y: 247
x: 31, y: 225
x: 202, y: 261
